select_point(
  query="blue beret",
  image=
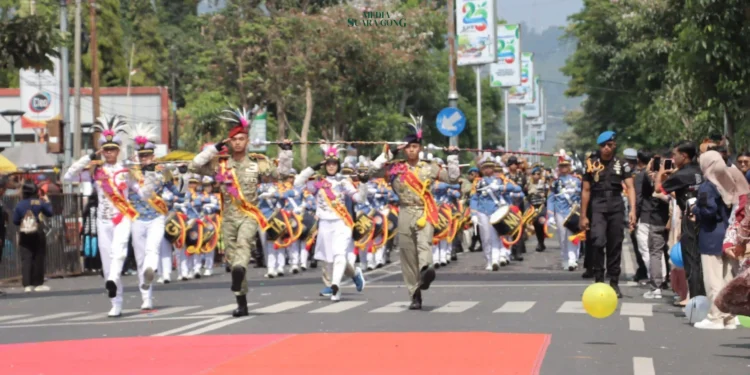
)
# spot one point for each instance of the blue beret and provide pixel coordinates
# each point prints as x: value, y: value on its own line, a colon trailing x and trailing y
x: 535, y: 170
x: 605, y: 137
x: 474, y: 169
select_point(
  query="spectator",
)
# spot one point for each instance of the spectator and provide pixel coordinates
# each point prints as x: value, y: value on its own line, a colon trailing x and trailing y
x: 716, y: 195
x: 683, y: 179
x: 743, y: 163
x: 31, y: 240
x: 652, y: 228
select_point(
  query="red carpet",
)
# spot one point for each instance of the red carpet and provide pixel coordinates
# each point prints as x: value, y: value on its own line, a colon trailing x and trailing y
x: 451, y: 353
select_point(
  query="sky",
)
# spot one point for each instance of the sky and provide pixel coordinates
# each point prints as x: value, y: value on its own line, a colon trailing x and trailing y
x: 539, y: 14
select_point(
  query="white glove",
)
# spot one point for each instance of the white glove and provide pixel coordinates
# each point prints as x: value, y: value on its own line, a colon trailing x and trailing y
x: 298, y: 210
x: 265, y: 195
x: 474, y: 220
x: 378, y: 195
x: 551, y: 221
x: 495, y: 186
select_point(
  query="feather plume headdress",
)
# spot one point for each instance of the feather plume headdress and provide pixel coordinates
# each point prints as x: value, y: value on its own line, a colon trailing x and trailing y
x: 110, y: 127
x: 563, y: 158
x: 330, y: 151
x: 415, y: 130
x: 144, y: 136
x: 242, y: 118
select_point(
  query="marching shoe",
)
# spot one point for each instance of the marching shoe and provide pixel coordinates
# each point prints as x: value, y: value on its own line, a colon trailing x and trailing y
x: 241, y: 309
x: 416, y: 301
x: 370, y: 267
x: 160, y: 280
x: 29, y: 289
x: 380, y: 265
x: 436, y: 266
x: 148, y: 304
x: 295, y: 270
x: 336, y: 293
x: 116, y: 311
x: 111, y: 289
x: 495, y: 266
x: 197, y: 275
x: 167, y: 281
x: 427, y: 276
x: 503, y: 261
x: 572, y: 266
x: 280, y: 272
x: 42, y: 288
x: 148, y: 278
x: 359, y: 279
x: 207, y: 273
x: 313, y: 263
x: 270, y: 275
x: 238, y: 276
x: 489, y: 267
x: 326, y: 292
x: 303, y: 268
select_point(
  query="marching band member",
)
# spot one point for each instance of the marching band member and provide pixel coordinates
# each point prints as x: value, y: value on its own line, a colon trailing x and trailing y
x: 288, y: 199
x: 335, y: 222
x: 148, y: 229
x: 518, y: 177
x: 114, y: 214
x: 210, y: 208
x: 486, y: 199
x: 381, y: 201
x: 538, y: 190
x: 171, y: 195
x: 445, y: 194
x: 191, y: 204
x: 295, y: 203
x: 564, y: 198
x: 239, y: 176
x: 268, y: 204
x: 417, y: 209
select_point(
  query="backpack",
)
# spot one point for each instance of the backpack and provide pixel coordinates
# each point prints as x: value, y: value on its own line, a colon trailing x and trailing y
x: 29, y: 223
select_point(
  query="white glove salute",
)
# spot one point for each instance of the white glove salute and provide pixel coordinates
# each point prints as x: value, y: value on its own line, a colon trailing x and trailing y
x: 474, y: 220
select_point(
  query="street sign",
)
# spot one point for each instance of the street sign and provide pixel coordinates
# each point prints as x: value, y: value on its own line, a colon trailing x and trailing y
x: 451, y: 122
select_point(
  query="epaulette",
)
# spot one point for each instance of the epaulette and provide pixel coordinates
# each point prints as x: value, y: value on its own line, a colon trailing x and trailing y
x: 257, y: 156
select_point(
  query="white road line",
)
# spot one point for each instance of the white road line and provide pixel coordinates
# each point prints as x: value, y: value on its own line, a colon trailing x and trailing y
x: 280, y: 307
x: 455, y: 307
x: 636, y: 309
x: 395, y: 307
x: 104, y: 322
x: 516, y: 307
x: 11, y: 317
x: 219, y: 310
x: 216, y: 326
x: 191, y: 326
x: 643, y: 366
x: 47, y: 317
x: 636, y: 324
x: 100, y: 315
x: 163, y: 312
x: 488, y: 285
x: 338, y: 307
x: 573, y: 307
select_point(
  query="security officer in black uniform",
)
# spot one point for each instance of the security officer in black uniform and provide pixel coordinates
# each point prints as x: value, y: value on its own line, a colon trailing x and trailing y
x: 519, y: 178
x: 588, y: 257
x: 602, y: 191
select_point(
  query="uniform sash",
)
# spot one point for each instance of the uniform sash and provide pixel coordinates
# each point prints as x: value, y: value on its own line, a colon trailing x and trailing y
x: 238, y: 198
x: 338, y: 207
x: 115, y: 196
x: 422, y: 189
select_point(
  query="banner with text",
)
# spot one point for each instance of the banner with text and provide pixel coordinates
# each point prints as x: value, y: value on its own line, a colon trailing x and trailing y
x: 475, y: 28
x: 506, y: 72
x: 524, y: 93
x: 40, y: 96
x: 534, y: 110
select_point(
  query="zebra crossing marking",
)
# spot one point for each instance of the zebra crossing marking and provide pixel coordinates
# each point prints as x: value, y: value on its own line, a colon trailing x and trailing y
x: 220, y: 310
x: 162, y: 312
x: 637, y: 309
x: 455, y: 307
x: 101, y: 315
x: 281, y: 307
x: 338, y: 307
x: 395, y: 307
x: 516, y: 307
x: 49, y: 317
x: 11, y: 317
x: 571, y: 307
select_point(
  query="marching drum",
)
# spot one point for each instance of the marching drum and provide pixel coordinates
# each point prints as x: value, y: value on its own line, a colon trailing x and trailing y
x: 572, y: 222
x: 364, y: 228
x: 276, y: 227
x: 505, y: 220
x: 309, y: 223
x: 210, y: 234
x: 174, y: 229
x: 194, y: 236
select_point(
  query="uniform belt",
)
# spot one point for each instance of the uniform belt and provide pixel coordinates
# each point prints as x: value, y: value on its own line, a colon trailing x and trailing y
x: 606, y: 193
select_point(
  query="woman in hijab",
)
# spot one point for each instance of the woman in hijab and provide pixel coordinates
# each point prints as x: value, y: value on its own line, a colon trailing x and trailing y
x: 721, y: 190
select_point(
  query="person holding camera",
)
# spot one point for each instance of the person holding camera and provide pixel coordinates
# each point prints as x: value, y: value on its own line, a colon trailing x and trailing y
x: 682, y: 176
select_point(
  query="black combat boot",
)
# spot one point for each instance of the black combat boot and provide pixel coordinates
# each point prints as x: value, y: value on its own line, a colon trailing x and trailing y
x: 426, y: 277
x: 613, y: 283
x: 241, y: 309
x: 416, y: 301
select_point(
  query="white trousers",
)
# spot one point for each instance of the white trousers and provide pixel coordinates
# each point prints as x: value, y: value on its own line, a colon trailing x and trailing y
x: 147, y: 239
x: 441, y: 252
x: 113, y: 248
x: 208, y: 260
x: 568, y: 251
x: 275, y: 259
x: 492, y: 246
x: 292, y: 253
x: 303, y: 254
x: 165, y: 259
x: 189, y: 264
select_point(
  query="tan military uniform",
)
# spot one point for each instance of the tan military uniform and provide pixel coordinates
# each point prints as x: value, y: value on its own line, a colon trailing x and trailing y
x: 238, y: 229
x: 415, y: 243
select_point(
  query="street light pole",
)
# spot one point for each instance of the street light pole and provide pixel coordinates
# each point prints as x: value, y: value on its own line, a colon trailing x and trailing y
x: 12, y: 115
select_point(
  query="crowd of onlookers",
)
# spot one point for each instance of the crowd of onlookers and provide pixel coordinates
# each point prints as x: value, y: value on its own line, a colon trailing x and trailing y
x: 692, y: 200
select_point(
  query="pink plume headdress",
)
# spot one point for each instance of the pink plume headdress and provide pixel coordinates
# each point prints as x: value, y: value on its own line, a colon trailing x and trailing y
x: 110, y: 126
x: 144, y: 136
x: 415, y: 126
x: 330, y: 151
x: 240, y: 116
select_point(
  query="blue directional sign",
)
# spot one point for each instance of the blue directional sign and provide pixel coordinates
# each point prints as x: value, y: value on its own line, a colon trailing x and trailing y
x: 451, y: 122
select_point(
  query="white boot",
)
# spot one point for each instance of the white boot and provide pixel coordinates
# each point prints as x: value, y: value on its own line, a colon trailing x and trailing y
x: 148, y: 304
x: 116, y: 310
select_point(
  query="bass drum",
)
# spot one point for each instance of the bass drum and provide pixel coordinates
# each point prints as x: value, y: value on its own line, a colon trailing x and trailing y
x: 174, y: 229
x: 309, y: 223
x: 194, y: 237
x: 364, y: 228
x: 276, y: 227
x: 210, y: 234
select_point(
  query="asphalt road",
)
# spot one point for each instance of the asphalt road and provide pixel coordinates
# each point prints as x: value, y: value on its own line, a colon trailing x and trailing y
x: 534, y: 303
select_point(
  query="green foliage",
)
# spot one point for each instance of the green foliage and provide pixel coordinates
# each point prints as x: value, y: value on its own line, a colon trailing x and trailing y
x: 28, y: 42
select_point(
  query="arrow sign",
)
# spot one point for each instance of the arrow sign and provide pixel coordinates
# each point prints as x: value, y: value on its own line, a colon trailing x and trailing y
x: 451, y: 122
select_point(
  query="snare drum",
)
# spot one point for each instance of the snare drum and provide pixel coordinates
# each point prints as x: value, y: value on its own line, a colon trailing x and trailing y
x: 572, y: 222
x: 509, y: 220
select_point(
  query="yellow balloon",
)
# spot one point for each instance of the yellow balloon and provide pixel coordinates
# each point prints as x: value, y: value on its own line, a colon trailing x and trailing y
x: 599, y: 300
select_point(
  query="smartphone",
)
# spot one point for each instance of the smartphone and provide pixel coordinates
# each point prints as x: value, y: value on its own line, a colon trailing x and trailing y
x: 667, y: 164
x: 656, y: 163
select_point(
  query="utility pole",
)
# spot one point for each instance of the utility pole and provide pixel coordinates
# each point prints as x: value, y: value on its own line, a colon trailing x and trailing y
x: 77, y: 83
x: 175, y: 122
x: 65, y: 97
x: 452, y: 91
x: 94, y: 67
